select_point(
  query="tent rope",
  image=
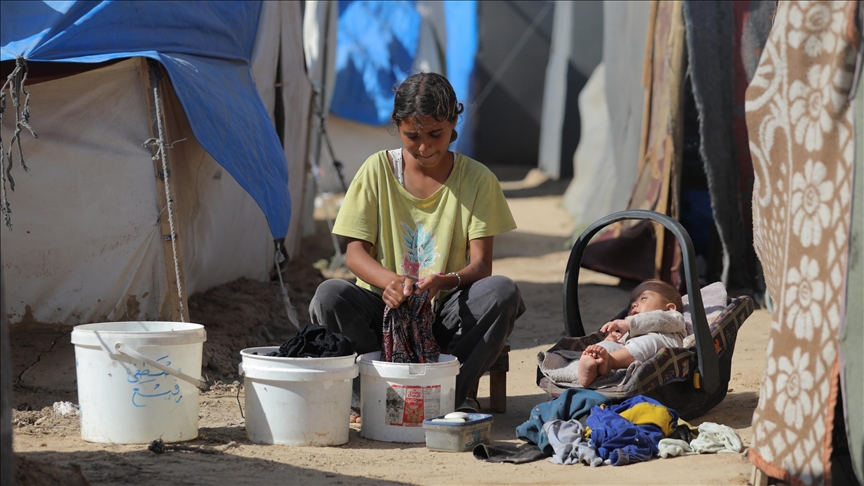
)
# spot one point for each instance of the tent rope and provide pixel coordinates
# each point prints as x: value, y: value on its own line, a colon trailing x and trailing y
x: 317, y: 171
x: 156, y: 78
x: 15, y: 85
x: 289, y: 308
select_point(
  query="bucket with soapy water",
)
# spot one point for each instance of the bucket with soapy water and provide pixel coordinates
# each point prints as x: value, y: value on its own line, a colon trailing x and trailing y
x: 395, y: 398
x: 297, y: 401
x: 138, y: 381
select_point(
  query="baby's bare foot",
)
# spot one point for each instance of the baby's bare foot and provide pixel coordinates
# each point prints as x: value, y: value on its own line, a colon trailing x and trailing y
x: 604, y: 361
x: 586, y: 373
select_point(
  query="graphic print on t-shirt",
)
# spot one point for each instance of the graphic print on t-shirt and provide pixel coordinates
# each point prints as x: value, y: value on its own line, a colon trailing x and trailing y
x: 420, y: 251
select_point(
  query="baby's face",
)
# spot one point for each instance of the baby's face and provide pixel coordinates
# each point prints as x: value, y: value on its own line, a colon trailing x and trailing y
x: 649, y: 301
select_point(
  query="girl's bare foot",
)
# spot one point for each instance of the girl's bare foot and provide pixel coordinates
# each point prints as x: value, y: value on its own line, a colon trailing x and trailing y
x: 355, y: 418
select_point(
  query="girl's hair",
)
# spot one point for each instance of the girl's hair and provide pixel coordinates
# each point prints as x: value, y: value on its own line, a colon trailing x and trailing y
x: 426, y: 94
x: 667, y: 291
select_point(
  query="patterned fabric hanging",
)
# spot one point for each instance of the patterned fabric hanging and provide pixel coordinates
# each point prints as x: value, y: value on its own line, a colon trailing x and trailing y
x: 803, y: 145
x: 408, y: 332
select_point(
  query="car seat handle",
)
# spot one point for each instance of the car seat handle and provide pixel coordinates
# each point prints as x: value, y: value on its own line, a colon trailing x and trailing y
x: 706, y: 355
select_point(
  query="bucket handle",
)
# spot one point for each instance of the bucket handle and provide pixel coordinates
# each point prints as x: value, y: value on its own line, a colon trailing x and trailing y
x: 123, y: 349
x: 416, y: 370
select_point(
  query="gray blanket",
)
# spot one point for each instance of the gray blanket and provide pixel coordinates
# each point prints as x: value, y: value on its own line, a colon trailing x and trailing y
x: 561, y: 367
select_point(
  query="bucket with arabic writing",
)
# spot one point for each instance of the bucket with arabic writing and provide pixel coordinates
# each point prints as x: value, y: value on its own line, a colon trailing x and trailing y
x: 138, y: 381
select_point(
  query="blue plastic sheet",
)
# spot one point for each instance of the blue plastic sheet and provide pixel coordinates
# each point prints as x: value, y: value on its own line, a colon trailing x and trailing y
x: 461, y: 20
x: 376, y: 50
x: 376, y: 44
x: 206, y: 47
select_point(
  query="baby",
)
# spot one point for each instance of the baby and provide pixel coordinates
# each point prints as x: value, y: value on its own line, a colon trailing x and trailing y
x: 654, y: 322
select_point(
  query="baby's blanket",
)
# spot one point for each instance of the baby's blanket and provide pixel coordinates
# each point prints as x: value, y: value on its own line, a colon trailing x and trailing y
x: 561, y: 366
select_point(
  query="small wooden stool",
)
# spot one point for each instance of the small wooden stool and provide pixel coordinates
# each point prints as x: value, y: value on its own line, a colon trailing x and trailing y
x: 497, y: 381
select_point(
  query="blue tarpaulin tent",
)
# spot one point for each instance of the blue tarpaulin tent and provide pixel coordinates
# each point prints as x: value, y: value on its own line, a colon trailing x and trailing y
x: 379, y: 45
x: 99, y: 233
x: 206, y: 48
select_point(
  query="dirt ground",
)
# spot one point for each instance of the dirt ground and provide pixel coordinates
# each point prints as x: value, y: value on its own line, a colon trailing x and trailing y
x: 49, y: 449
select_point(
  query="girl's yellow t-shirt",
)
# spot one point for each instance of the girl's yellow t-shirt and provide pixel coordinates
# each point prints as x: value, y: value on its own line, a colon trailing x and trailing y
x: 419, y: 237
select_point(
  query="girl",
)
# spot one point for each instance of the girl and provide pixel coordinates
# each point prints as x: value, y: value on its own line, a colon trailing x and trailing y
x: 422, y: 218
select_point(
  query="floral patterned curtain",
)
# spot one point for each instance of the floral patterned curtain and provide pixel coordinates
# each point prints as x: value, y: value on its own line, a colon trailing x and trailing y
x: 802, y: 142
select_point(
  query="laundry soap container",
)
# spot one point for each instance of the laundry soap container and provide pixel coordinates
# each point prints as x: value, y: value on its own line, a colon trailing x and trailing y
x: 395, y: 398
x: 461, y: 435
x: 297, y: 401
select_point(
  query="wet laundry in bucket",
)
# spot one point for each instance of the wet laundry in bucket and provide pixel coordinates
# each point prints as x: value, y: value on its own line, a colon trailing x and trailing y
x: 314, y: 341
x: 408, y: 332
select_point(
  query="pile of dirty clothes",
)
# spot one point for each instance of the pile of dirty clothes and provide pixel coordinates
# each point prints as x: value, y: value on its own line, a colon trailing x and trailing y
x: 582, y: 426
x: 314, y: 341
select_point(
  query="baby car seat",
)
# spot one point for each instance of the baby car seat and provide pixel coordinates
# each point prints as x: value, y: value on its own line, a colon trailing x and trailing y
x: 691, y: 380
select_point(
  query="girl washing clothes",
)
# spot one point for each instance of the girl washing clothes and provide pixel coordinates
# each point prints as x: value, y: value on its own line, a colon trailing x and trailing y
x: 421, y: 220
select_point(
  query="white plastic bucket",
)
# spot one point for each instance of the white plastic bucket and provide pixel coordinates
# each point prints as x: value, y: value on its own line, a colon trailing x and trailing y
x: 297, y: 401
x: 136, y: 380
x: 395, y: 398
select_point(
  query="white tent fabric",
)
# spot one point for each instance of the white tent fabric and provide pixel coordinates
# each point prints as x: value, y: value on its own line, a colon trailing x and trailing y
x: 432, y: 43
x: 594, y: 192
x: 319, y: 43
x: 222, y: 233
x: 87, y: 245
x: 555, y: 91
x: 265, y: 55
x: 625, y: 35
x: 297, y: 99
x: 320, y: 23
x: 608, y: 152
x: 280, y: 27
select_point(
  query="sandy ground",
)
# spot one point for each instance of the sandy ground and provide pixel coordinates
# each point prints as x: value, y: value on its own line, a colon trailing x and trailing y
x: 244, y: 313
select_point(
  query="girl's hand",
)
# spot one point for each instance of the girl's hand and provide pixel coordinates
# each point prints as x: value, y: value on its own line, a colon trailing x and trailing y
x: 433, y: 283
x: 397, y: 290
x: 620, y: 325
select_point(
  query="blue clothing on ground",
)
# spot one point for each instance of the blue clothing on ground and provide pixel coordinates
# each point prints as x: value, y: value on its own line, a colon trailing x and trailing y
x: 669, y: 421
x: 572, y: 404
x: 620, y: 440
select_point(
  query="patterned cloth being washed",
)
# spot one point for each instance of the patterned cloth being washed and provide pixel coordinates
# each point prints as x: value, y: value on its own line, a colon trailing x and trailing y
x: 408, y: 332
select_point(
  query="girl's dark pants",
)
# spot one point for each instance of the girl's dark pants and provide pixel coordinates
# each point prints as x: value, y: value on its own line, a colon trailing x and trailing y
x: 472, y: 324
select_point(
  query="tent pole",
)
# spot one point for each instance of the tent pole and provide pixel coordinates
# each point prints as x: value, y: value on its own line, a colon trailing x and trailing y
x: 177, y: 299
x: 647, y: 83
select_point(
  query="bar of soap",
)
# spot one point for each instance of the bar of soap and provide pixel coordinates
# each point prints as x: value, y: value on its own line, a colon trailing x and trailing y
x: 450, y: 420
x: 459, y: 415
